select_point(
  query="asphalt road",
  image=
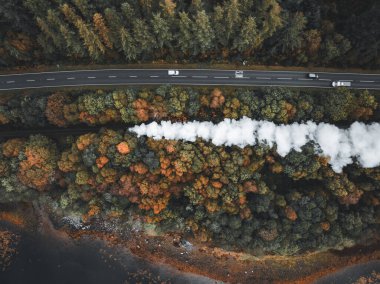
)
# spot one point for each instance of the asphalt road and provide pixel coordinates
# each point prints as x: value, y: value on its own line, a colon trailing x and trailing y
x: 106, y: 77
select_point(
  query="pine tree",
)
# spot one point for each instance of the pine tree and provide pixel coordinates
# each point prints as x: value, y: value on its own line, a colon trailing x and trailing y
x: 168, y: 7
x: 143, y: 36
x: 203, y: 32
x: 218, y: 23
x: 232, y: 19
x: 128, y: 44
x: 291, y: 36
x: 102, y: 30
x: 37, y: 7
x: 114, y: 21
x: 69, y: 13
x: 270, y: 13
x: 50, y: 33
x: 73, y: 43
x: 248, y: 38
x: 92, y: 42
x: 185, y: 35
x: 128, y: 12
x: 84, y: 7
x: 161, y: 30
x: 94, y: 46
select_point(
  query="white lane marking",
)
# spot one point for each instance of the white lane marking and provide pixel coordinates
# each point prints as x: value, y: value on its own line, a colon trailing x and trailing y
x: 284, y: 78
x: 30, y: 80
x: 367, y: 81
x: 325, y: 80
x: 199, y: 76
x: 50, y: 79
x: 179, y: 76
x: 70, y: 78
x: 221, y: 77
x: 262, y: 78
x: 91, y: 77
x: 192, y: 84
x: 154, y: 76
x: 132, y: 76
x: 112, y: 76
x: 248, y: 70
x: 305, y: 79
x: 10, y: 82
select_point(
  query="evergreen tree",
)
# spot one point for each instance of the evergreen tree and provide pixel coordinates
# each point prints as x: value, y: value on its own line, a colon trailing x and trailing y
x: 128, y: 45
x: 249, y: 37
x: 50, y: 33
x: 203, y: 33
x: 269, y: 11
x: 84, y: 7
x: 73, y: 43
x: 92, y: 42
x: 232, y: 19
x: 128, y: 12
x: 115, y: 22
x: 218, y: 23
x: 185, y: 35
x: 161, y: 30
x: 143, y: 37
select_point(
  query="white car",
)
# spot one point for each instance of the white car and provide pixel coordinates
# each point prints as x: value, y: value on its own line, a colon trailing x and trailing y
x: 341, y: 84
x: 173, y: 72
x: 313, y: 75
x: 239, y: 74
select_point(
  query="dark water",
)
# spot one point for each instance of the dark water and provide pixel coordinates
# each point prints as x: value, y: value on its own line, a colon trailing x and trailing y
x: 352, y: 274
x: 43, y: 259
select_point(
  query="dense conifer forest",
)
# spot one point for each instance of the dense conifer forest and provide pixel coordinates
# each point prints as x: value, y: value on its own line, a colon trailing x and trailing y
x: 290, y: 32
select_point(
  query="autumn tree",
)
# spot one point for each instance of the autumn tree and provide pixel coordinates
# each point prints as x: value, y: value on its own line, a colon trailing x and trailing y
x: 92, y: 42
x: 54, y: 109
x: 38, y: 166
x: 102, y: 29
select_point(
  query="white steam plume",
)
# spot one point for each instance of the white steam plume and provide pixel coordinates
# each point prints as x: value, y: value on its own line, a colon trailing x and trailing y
x: 360, y: 141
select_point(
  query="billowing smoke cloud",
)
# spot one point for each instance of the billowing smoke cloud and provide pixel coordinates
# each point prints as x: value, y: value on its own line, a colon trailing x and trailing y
x: 360, y: 141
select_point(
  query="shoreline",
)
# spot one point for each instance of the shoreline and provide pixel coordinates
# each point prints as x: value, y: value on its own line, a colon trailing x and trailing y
x: 203, y: 260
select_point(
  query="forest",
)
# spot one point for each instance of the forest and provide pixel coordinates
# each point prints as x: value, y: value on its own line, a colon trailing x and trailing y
x: 134, y: 105
x: 338, y: 33
x: 248, y: 199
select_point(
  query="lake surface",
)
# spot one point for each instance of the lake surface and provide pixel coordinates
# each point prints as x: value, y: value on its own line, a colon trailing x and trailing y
x: 43, y: 259
x: 352, y: 273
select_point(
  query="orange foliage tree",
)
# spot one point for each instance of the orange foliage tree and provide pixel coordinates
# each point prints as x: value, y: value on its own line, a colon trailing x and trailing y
x: 38, y: 167
x: 55, y: 109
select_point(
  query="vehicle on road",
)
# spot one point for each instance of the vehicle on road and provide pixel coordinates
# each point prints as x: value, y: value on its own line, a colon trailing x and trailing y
x: 313, y: 76
x: 173, y: 72
x: 341, y: 84
x: 239, y: 74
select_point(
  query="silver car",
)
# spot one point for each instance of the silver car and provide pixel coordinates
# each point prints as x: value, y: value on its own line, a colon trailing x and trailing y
x: 313, y: 76
x: 173, y: 72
